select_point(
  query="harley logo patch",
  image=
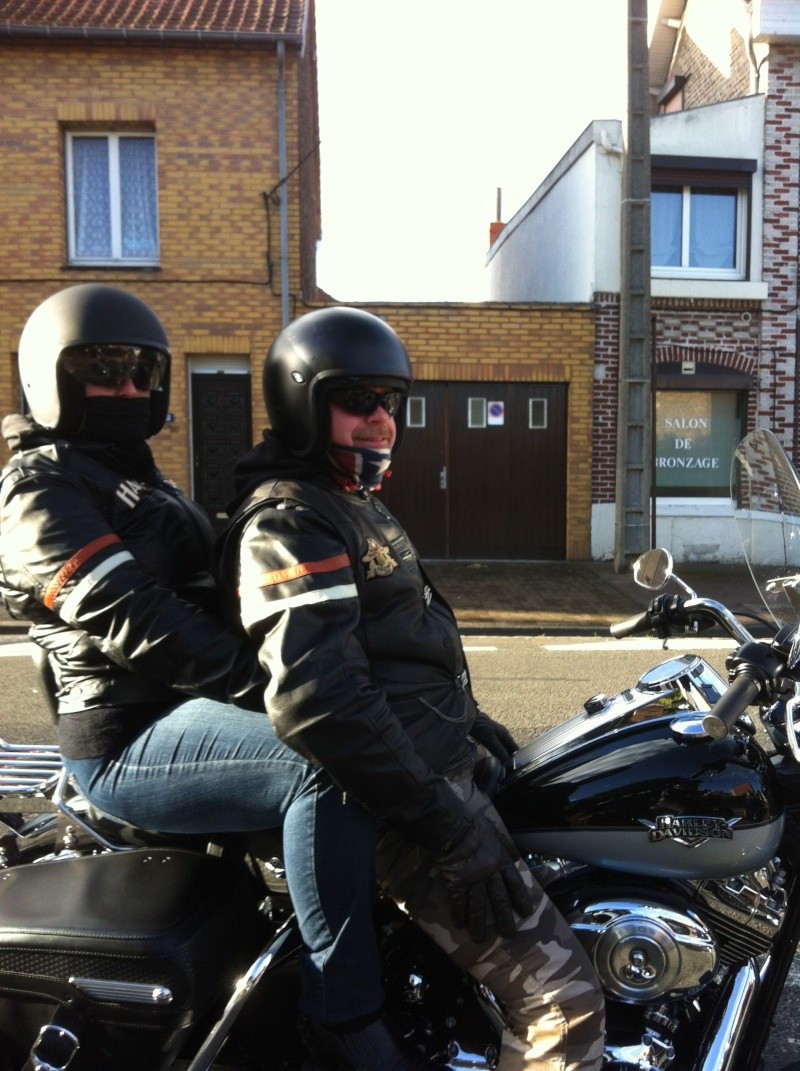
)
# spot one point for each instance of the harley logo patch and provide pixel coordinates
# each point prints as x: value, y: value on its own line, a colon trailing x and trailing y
x: 378, y: 560
x: 691, y: 830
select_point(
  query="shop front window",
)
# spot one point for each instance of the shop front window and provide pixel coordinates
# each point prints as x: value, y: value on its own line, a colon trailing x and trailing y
x: 697, y: 432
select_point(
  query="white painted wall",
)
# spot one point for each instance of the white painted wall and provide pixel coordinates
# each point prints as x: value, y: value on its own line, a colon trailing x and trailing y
x: 773, y: 18
x: 563, y: 244
x: 733, y: 129
x: 698, y: 531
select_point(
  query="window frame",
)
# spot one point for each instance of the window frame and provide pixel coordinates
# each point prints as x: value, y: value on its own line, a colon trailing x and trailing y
x: 544, y: 422
x: 416, y: 411
x: 477, y: 412
x: 116, y: 259
x: 733, y: 176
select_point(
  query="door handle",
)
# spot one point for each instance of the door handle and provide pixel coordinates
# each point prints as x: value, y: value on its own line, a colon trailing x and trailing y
x: 443, y: 478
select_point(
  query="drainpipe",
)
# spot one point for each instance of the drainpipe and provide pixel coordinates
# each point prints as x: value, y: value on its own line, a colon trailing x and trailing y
x: 283, y: 189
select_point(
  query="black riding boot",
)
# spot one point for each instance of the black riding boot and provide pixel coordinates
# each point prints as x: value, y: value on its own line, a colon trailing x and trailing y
x: 371, y: 1048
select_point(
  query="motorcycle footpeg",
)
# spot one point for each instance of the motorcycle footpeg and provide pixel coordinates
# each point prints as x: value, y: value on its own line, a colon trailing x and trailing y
x: 54, y: 1049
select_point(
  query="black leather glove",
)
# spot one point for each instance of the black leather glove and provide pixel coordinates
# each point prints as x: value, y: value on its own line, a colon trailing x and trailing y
x: 494, y: 737
x: 482, y: 882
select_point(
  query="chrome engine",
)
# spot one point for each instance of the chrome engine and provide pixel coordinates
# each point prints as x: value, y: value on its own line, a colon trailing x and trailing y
x: 674, y: 960
x: 644, y: 952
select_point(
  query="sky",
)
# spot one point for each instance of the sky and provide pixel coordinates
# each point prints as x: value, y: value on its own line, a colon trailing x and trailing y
x: 427, y: 107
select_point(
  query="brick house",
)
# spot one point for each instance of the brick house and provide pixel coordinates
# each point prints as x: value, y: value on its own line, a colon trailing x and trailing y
x: 171, y: 149
x: 142, y: 147
x: 723, y: 145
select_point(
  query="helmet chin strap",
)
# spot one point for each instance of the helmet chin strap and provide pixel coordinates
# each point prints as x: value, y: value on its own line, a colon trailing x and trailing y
x: 354, y: 467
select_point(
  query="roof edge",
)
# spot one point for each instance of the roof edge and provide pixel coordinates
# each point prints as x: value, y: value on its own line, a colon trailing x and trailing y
x: 213, y: 37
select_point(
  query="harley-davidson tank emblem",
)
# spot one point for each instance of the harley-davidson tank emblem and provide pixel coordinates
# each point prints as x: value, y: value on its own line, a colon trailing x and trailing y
x: 378, y: 560
x: 689, y: 829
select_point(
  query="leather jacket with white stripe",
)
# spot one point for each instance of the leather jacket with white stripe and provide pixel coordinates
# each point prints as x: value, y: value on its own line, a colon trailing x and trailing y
x: 116, y: 577
x: 368, y: 676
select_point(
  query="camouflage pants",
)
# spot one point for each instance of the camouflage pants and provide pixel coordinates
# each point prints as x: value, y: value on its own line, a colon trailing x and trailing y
x: 542, y: 977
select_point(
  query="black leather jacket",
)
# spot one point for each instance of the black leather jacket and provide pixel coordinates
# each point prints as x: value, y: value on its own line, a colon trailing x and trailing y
x: 115, y: 575
x: 368, y: 676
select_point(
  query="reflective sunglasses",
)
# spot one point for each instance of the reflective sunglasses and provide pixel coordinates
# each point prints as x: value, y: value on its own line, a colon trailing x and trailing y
x: 363, y: 402
x: 111, y: 365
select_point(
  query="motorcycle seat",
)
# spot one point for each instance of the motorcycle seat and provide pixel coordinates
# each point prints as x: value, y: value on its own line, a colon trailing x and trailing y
x: 113, y: 833
x: 69, y: 799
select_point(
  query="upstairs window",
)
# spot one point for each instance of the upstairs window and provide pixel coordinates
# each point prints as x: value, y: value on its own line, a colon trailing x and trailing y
x: 699, y: 222
x: 112, y: 204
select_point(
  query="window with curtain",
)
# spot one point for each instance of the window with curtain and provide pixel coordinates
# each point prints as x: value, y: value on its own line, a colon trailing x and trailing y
x: 112, y: 203
x: 698, y: 223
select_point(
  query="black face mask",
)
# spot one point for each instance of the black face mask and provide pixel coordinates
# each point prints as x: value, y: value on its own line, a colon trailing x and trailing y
x: 116, y: 420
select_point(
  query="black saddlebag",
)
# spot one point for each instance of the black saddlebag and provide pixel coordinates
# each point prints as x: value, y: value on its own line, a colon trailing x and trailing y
x: 140, y: 943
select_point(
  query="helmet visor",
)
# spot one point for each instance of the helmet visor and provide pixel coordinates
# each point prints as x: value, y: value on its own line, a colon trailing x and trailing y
x: 112, y: 365
x: 360, y: 401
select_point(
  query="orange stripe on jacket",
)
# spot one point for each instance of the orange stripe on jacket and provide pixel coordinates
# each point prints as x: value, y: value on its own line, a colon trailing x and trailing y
x: 280, y: 576
x: 74, y: 564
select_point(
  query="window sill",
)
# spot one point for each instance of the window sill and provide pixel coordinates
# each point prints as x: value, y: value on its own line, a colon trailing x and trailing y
x: 709, y: 289
x: 127, y: 264
x: 684, y: 506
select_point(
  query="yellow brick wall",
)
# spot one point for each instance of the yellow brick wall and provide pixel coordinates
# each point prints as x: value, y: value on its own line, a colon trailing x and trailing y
x: 214, y: 113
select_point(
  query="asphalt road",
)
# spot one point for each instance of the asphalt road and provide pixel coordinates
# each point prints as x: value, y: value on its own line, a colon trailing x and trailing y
x: 529, y: 683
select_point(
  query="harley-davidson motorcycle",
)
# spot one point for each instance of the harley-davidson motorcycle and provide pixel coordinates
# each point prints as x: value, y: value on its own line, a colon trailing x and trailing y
x: 663, y: 822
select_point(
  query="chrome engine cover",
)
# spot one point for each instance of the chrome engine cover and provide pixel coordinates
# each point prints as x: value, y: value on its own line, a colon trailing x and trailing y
x: 646, y: 951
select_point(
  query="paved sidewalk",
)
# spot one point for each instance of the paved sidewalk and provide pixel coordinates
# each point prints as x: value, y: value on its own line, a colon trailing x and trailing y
x: 576, y: 597
x: 549, y: 597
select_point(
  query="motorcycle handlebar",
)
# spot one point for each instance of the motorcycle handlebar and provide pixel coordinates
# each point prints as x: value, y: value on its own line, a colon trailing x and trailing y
x: 727, y: 710
x: 670, y: 612
x: 631, y: 626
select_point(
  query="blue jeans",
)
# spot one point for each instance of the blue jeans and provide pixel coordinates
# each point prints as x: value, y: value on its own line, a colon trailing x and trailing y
x: 206, y: 767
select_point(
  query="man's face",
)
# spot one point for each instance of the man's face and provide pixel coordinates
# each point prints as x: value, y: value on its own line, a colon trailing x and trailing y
x: 374, y: 431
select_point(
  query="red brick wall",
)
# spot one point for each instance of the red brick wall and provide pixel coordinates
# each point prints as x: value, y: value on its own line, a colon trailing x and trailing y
x: 781, y: 177
x: 724, y: 334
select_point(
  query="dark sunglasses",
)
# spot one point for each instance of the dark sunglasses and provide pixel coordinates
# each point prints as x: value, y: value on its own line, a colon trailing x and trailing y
x: 362, y: 402
x: 111, y: 365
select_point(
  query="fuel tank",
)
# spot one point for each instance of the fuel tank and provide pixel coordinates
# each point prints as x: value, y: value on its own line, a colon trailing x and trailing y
x: 631, y: 784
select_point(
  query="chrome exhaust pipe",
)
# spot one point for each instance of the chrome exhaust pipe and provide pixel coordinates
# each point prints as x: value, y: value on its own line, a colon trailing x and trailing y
x: 721, y: 1049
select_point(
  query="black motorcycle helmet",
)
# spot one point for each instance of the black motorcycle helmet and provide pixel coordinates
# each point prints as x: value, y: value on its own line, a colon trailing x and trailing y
x: 84, y: 315
x: 320, y: 352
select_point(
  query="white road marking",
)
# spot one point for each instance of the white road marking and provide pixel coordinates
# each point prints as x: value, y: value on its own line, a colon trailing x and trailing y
x: 17, y: 650
x: 645, y: 644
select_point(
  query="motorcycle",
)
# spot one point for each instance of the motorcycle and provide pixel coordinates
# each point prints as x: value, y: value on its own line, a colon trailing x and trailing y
x: 662, y: 821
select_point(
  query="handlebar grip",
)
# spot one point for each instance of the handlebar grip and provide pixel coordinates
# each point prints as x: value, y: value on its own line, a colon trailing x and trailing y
x: 743, y: 691
x: 631, y: 626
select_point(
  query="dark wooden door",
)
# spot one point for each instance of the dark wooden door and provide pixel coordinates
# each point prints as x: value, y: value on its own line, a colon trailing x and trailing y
x: 507, y: 480
x: 221, y: 433
x: 482, y: 474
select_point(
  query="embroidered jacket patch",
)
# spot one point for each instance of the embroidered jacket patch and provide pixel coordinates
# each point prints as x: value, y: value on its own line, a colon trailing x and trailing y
x: 378, y: 560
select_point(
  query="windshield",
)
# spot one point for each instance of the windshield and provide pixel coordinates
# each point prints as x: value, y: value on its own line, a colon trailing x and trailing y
x: 766, y: 497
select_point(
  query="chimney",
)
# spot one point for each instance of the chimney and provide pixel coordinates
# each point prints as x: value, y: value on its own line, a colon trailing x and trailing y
x: 496, y: 227
x: 494, y: 231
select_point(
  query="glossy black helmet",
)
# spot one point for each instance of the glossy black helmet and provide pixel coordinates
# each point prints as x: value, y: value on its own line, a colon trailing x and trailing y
x: 89, y: 314
x: 318, y: 353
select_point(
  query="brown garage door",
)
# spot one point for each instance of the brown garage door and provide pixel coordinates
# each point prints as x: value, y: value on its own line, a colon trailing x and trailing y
x: 482, y: 471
